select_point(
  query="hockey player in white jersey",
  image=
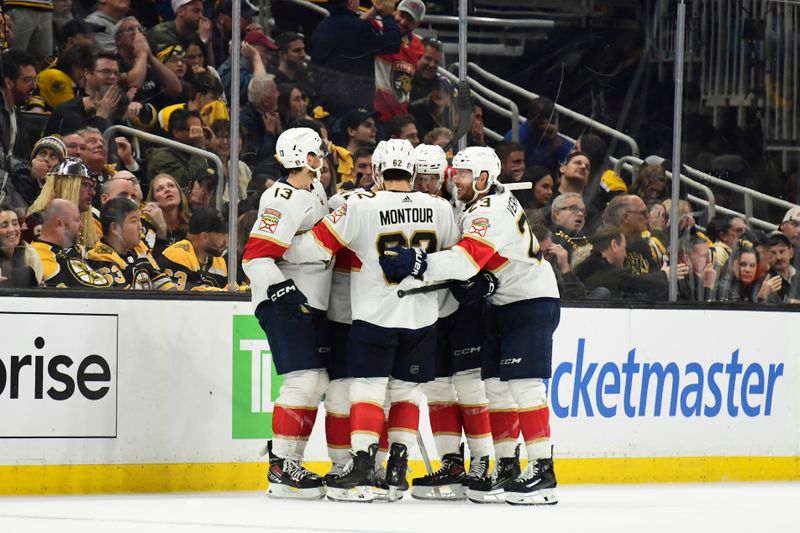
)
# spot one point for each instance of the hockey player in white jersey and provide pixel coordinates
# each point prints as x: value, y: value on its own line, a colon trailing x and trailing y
x: 337, y: 397
x: 290, y: 302
x: 456, y: 398
x: 392, y: 340
x: 496, y: 237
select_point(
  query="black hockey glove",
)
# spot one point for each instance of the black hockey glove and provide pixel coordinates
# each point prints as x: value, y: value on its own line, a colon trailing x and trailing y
x: 399, y: 263
x: 480, y: 286
x: 287, y: 298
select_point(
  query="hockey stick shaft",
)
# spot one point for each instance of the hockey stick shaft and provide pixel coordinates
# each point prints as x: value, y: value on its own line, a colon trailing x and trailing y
x: 401, y: 293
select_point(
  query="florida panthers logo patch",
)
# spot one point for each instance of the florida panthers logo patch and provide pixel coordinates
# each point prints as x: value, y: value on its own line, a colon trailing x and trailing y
x: 479, y: 227
x: 339, y: 213
x: 269, y: 220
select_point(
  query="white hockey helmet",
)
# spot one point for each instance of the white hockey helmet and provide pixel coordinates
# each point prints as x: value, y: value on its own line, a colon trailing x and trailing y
x: 398, y: 154
x: 478, y: 159
x: 295, y: 144
x: 431, y: 161
x: 377, y: 162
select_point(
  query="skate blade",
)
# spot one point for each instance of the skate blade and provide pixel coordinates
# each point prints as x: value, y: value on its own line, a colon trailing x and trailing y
x: 394, y: 494
x: 540, y: 497
x: 443, y: 492
x: 278, y: 491
x: 355, y: 494
x: 491, y: 496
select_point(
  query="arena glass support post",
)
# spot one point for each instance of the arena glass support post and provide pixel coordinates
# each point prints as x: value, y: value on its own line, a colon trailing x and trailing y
x: 462, y: 54
x: 233, y: 160
x: 677, y: 121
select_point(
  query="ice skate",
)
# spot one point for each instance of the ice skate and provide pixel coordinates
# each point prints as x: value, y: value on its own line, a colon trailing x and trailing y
x: 535, y: 486
x: 355, y: 482
x: 490, y: 489
x: 288, y: 479
x: 397, y: 472
x: 444, y: 484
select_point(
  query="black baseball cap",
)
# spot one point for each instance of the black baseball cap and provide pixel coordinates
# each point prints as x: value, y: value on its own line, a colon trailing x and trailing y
x: 353, y: 118
x: 207, y: 219
x: 225, y: 7
x: 777, y: 237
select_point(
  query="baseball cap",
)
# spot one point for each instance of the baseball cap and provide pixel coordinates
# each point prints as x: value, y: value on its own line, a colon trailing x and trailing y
x: 354, y: 117
x: 792, y: 214
x: 53, y: 143
x: 225, y: 7
x: 259, y: 38
x: 178, y: 3
x: 415, y: 8
x: 777, y: 237
x: 207, y: 219
x: 171, y: 52
x: 78, y: 26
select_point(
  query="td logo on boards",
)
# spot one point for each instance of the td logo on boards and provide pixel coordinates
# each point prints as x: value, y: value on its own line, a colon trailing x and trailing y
x: 255, y: 383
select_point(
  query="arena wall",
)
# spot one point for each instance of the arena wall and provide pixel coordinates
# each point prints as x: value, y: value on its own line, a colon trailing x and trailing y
x: 105, y: 395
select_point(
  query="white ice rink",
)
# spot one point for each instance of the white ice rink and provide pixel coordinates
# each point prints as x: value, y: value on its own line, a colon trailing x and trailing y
x: 734, y: 507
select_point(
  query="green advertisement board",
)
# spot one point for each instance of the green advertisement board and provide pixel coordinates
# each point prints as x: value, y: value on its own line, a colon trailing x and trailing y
x: 255, y: 383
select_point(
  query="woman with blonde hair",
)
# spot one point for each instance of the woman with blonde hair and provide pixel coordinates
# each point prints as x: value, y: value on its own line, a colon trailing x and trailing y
x: 68, y: 180
x: 165, y: 191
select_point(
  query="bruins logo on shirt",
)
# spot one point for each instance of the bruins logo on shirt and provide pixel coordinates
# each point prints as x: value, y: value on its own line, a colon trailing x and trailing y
x: 86, y: 275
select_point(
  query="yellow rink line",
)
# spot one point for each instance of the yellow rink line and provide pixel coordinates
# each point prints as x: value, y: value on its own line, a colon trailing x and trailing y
x: 186, y: 477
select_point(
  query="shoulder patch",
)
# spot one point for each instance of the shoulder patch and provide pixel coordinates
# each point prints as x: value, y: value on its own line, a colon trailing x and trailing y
x: 269, y: 220
x: 339, y: 213
x: 479, y: 226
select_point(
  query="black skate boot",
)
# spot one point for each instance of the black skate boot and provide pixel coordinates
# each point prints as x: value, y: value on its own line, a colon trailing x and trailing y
x: 444, y: 484
x: 489, y: 489
x: 355, y: 482
x: 396, y: 471
x: 288, y: 479
x: 535, y: 486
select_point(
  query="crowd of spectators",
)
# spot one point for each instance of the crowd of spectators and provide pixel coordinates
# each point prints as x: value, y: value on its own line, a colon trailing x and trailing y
x: 81, y: 209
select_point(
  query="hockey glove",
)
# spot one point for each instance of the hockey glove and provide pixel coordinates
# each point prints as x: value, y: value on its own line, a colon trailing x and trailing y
x: 480, y: 286
x: 399, y: 263
x: 287, y: 298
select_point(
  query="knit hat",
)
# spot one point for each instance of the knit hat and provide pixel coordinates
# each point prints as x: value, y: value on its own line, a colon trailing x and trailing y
x: 53, y: 143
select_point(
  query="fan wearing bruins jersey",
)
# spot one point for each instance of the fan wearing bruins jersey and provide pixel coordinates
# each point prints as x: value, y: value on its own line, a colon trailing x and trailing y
x: 57, y: 248
x: 290, y: 301
x: 392, y: 340
x: 120, y: 255
x: 196, y: 263
x: 496, y: 237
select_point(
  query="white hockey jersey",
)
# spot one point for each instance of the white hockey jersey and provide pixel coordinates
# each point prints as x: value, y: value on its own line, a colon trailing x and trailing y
x: 345, y: 262
x: 496, y: 237
x: 283, y: 212
x: 369, y: 225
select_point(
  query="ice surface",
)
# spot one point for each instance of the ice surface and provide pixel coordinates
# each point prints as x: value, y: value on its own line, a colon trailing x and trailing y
x: 728, y: 507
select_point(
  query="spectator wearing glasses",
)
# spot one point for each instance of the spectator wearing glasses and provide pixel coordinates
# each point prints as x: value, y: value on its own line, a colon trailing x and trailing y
x: 568, y: 212
x: 100, y: 108
x: 107, y: 15
x: 427, y: 68
x: 121, y: 255
x: 140, y: 68
x: 629, y: 212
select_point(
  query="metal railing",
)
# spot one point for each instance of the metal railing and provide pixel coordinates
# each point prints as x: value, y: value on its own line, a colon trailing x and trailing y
x: 490, y: 21
x: 310, y: 6
x: 111, y: 132
x: 565, y: 111
x: 630, y: 163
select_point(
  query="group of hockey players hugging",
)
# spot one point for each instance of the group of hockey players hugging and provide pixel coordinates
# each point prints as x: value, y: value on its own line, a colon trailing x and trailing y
x: 326, y: 277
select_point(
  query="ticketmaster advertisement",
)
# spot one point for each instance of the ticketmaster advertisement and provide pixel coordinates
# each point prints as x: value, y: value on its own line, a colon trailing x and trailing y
x: 126, y: 382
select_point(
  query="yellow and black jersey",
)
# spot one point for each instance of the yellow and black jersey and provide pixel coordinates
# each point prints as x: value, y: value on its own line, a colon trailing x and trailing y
x: 135, y: 270
x: 64, y: 267
x: 181, y: 263
x: 148, y: 234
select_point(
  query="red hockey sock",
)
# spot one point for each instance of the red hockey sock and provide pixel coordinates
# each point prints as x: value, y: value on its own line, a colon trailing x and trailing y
x: 445, y: 419
x: 476, y: 421
x: 535, y: 423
